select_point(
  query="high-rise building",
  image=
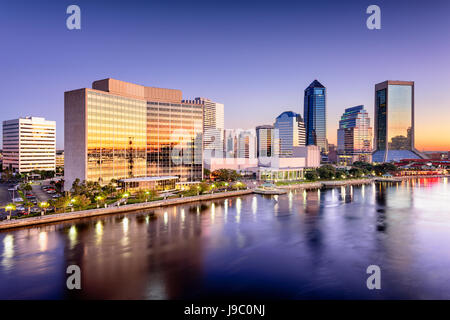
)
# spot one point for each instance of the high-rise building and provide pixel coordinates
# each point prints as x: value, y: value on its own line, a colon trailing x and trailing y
x: 354, y: 136
x: 213, y: 127
x: 246, y: 144
x: 119, y: 130
x: 291, y: 132
x: 315, y: 116
x: 267, y: 141
x: 394, y: 122
x: 29, y: 144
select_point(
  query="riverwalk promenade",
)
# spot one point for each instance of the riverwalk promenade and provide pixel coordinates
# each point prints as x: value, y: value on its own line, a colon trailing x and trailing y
x: 58, y: 217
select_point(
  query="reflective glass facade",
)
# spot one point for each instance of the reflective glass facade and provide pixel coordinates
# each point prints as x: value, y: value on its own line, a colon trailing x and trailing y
x: 315, y: 115
x: 399, y: 117
x: 354, y: 136
x: 290, y: 129
x: 116, y: 137
x: 394, y: 121
x: 120, y: 130
x: 174, y: 145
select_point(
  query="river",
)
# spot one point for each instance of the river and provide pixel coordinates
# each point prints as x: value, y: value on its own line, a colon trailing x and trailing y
x: 303, y: 245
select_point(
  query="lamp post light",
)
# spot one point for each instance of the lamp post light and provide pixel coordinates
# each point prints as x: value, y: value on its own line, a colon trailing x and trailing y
x: 44, y: 205
x: 98, y: 199
x: 125, y: 196
x: 10, y: 208
x: 198, y: 190
x: 73, y: 204
x: 147, y: 193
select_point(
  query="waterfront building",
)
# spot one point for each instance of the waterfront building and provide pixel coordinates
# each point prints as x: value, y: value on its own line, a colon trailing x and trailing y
x: 354, y: 136
x: 29, y: 144
x: 314, y: 113
x: 394, y: 122
x: 291, y: 132
x: 119, y: 130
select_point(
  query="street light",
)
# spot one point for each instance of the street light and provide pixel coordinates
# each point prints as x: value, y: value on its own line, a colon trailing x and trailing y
x: 98, y: 199
x: 125, y: 196
x: 73, y: 201
x: 147, y: 193
x: 10, y: 207
x: 44, y: 205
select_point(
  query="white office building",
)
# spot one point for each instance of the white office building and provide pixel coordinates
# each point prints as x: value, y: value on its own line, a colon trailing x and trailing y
x: 29, y: 144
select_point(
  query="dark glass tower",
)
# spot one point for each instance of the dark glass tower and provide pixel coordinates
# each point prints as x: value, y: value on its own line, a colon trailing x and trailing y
x: 315, y: 116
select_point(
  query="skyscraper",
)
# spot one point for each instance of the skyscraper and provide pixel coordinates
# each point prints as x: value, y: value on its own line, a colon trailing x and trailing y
x: 29, y: 144
x: 266, y: 141
x: 291, y: 132
x: 315, y: 116
x: 213, y: 127
x: 394, y: 121
x: 354, y: 136
x: 120, y: 130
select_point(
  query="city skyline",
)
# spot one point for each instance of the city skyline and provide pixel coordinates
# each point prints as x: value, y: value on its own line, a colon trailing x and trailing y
x: 256, y: 65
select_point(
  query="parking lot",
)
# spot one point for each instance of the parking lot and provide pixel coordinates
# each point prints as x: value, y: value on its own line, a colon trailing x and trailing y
x: 39, y: 193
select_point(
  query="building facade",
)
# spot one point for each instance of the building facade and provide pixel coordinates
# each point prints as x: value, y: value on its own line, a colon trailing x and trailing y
x: 119, y: 130
x: 315, y: 116
x: 354, y: 136
x: 394, y: 122
x: 267, y: 141
x: 291, y: 132
x: 29, y: 144
x: 213, y: 127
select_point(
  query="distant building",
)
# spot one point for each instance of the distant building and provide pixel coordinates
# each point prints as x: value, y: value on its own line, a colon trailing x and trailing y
x: 213, y: 127
x: 291, y: 132
x: 394, y: 122
x: 239, y: 143
x: 332, y: 153
x: 29, y: 144
x: 315, y: 116
x: 354, y: 136
x: 60, y: 159
x: 310, y: 153
x: 120, y: 130
x: 267, y: 141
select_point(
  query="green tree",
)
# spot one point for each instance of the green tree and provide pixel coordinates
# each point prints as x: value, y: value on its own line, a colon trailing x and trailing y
x: 28, y: 205
x: 82, y: 201
x: 225, y: 175
x: 356, y: 172
x: 326, y: 172
x: 311, y: 175
x: 26, y: 187
x: 61, y: 203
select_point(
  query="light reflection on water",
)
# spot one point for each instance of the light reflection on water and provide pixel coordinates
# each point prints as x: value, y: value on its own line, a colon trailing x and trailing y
x: 305, y: 244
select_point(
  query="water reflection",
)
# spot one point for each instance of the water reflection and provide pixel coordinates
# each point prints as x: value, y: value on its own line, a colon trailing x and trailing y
x: 305, y: 244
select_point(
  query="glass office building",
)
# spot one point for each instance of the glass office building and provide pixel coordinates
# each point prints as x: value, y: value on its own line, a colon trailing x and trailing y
x: 119, y: 130
x: 174, y: 145
x: 315, y: 116
x: 266, y: 141
x: 116, y: 139
x: 354, y: 136
x: 394, y: 122
x: 291, y: 132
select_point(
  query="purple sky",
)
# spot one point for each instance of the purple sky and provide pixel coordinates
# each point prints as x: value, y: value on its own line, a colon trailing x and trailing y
x: 255, y: 57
